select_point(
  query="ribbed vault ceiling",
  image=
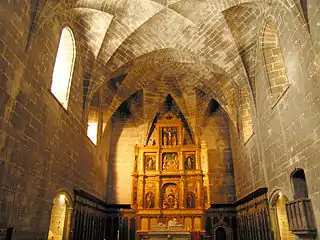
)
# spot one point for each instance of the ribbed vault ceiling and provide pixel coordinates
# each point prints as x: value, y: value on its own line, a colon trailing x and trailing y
x: 183, y: 43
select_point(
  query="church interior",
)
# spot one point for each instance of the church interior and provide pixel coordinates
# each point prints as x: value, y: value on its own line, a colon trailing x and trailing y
x: 160, y: 119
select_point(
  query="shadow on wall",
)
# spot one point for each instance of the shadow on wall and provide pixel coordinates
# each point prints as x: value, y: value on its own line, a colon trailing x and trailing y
x: 216, y: 134
x: 125, y: 133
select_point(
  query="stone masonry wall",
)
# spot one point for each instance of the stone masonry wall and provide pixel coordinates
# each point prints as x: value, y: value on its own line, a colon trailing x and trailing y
x: 286, y: 132
x: 289, y: 128
x: 43, y: 147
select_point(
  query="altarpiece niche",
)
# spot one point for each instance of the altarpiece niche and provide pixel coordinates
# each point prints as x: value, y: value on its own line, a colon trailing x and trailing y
x: 170, y: 178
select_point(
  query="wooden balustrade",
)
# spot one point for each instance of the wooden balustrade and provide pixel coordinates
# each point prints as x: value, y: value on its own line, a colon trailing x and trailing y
x: 300, y: 216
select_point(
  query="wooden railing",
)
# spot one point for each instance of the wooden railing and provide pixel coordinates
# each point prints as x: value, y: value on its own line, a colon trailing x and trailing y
x: 300, y: 217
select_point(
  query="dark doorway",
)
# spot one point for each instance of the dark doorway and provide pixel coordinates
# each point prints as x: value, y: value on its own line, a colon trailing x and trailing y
x: 221, y: 234
x: 300, y: 189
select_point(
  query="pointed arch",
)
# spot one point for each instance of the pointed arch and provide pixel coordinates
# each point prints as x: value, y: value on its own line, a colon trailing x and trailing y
x: 171, y: 106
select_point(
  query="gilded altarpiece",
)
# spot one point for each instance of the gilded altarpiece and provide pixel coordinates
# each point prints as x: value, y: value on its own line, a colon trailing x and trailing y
x: 170, y: 178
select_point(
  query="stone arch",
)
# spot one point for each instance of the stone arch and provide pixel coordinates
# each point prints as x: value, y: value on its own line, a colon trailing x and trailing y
x: 225, y: 227
x: 273, y: 60
x: 299, y: 184
x: 278, y: 215
x: 61, y: 213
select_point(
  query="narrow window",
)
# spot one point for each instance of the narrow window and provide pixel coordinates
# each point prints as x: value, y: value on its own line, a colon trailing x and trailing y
x: 63, y: 67
x: 92, y: 131
x: 274, y: 61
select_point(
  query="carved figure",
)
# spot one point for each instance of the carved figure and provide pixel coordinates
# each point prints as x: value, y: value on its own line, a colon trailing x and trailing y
x: 169, y: 133
x: 189, y: 163
x: 165, y: 138
x: 170, y: 197
x: 183, y: 132
x: 170, y: 162
x: 174, y: 139
x: 169, y: 136
x: 149, y: 200
x: 190, y: 200
x: 173, y: 222
x: 150, y: 163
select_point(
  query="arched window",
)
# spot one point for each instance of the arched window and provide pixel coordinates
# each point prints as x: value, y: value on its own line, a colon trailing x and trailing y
x: 63, y: 67
x: 300, y: 189
x: 273, y: 60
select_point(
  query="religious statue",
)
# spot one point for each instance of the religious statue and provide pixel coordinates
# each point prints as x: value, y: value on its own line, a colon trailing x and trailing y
x: 183, y: 132
x: 169, y: 136
x: 150, y: 163
x: 170, y: 197
x: 172, y: 222
x: 189, y: 163
x: 190, y: 200
x: 149, y: 200
x: 169, y: 133
x: 165, y: 138
x: 174, y: 139
x: 175, y: 225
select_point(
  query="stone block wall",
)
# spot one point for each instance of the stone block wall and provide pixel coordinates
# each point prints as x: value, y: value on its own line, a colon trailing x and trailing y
x: 286, y: 128
x: 43, y: 147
